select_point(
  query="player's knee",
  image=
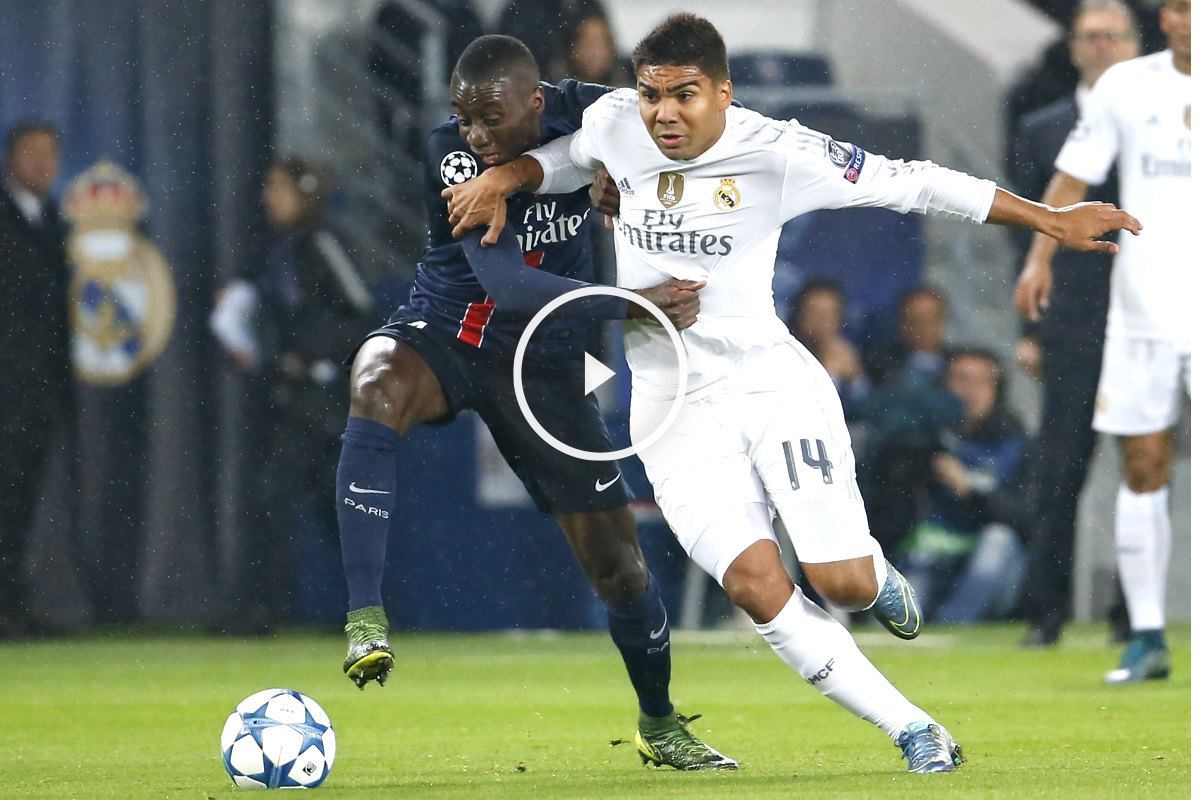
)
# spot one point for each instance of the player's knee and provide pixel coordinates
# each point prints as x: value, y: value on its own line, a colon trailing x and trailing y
x: 1147, y: 467
x: 385, y: 387
x: 377, y: 393
x: 760, y: 589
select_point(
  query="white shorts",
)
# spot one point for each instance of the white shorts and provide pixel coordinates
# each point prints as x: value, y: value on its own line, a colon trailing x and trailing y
x: 776, y: 439
x: 1140, y: 382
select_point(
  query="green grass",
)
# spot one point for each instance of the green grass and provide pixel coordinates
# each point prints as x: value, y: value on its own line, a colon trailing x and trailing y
x: 539, y: 716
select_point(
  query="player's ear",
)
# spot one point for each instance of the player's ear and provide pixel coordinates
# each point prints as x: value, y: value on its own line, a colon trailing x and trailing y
x: 725, y: 93
x: 539, y: 99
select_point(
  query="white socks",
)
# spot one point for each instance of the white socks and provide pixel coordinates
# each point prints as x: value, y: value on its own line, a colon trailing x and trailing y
x: 1143, y: 534
x: 824, y: 653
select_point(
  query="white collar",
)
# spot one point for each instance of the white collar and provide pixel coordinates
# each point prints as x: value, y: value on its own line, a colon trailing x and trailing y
x: 1082, y: 93
x: 30, y: 204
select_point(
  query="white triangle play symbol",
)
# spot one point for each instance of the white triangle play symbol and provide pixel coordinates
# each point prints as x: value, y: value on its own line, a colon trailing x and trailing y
x: 594, y: 374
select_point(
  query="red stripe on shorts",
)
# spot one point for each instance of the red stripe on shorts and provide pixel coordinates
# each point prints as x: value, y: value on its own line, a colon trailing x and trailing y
x: 470, y: 329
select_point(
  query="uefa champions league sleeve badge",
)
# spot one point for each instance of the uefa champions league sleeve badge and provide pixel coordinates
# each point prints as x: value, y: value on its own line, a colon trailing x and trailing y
x: 122, y: 296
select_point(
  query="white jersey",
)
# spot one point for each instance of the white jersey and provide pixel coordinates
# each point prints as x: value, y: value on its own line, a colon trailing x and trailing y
x: 1140, y: 111
x: 717, y: 218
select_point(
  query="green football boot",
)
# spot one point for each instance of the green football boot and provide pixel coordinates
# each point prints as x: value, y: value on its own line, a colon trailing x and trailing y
x: 369, y: 657
x: 667, y: 741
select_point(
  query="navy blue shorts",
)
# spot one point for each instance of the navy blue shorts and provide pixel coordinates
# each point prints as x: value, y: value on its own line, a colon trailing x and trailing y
x: 481, y: 381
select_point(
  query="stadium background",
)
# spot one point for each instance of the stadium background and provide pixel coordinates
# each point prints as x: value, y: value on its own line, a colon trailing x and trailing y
x: 194, y: 97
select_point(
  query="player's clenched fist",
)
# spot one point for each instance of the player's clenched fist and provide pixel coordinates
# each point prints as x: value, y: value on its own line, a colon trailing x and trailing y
x: 679, y: 300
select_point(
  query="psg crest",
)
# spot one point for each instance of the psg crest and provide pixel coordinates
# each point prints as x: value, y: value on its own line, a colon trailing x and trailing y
x: 122, y: 297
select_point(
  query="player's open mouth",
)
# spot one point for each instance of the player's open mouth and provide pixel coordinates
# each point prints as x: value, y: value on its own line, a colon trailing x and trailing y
x: 491, y: 159
x: 670, y: 139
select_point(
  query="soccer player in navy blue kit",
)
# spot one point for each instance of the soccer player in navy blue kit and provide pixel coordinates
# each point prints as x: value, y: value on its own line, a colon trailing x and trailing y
x: 452, y: 348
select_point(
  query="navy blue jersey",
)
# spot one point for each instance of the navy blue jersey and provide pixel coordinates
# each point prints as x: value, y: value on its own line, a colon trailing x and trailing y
x: 552, y: 230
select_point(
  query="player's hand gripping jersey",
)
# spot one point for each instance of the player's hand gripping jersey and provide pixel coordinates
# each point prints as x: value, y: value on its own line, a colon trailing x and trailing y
x: 717, y: 218
x: 549, y: 232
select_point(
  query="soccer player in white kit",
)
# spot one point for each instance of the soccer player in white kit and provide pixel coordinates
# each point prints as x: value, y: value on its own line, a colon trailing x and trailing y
x: 1139, y: 115
x: 703, y: 197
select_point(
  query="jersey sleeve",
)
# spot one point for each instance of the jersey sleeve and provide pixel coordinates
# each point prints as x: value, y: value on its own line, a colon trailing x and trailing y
x: 1090, y: 150
x: 822, y: 173
x: 519, y: 289
x: 448, y: 162
x: 567, y: 163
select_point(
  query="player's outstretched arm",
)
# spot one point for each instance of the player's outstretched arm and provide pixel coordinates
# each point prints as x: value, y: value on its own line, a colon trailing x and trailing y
x: 1076, y: 225
x: 480, y: 201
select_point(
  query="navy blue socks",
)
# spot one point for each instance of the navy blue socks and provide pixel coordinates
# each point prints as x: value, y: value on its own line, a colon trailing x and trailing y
x: 366, y: 495
x: 641, y: 633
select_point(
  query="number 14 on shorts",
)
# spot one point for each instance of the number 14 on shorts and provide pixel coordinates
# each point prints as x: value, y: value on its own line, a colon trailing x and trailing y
x: 807, y: 448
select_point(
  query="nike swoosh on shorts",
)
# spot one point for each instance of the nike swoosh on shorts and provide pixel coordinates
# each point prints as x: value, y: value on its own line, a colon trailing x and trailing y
x: 600, y: 487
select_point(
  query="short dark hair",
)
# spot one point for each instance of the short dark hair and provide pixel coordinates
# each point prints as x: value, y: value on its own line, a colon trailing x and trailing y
x: 494, y: 56
x: 684, y: 40
x: 23, y: 128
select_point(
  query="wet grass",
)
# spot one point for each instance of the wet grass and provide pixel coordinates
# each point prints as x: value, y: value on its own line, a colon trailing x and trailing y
x: 550, y: 716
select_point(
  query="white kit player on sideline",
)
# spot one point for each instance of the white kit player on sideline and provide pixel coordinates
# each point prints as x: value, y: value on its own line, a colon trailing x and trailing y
x: 1139, y: 115
x: 704, y: 188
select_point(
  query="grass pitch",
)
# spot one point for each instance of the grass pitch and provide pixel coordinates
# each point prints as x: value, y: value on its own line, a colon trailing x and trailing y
x: 551, y: 716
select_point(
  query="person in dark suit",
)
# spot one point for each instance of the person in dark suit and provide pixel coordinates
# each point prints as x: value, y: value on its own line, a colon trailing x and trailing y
x: 34, y: 348
x: 1065, y: 347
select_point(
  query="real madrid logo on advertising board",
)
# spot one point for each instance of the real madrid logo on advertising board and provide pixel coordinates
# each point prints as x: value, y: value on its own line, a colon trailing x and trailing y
x: 122, y: 297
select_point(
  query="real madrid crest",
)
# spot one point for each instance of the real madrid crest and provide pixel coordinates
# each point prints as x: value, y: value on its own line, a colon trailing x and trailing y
x: 727, y: 197
x: 670, y: 188
x: 122, y: 297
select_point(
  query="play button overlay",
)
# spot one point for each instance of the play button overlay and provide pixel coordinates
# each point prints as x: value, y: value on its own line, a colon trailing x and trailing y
x: 595, y: 373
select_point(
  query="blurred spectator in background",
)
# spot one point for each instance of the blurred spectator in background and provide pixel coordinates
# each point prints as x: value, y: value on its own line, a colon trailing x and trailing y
x: 920, y: 349
x: 36, y: 389
x: 592, y: 55
x: 1056, y: 74
x: 1064, y: 349
x: 898, y: 422
x: 395, y: 60
x: 289, y: 326
x: 548, y: 27
x: 816, y: 317
x: 964, y: 556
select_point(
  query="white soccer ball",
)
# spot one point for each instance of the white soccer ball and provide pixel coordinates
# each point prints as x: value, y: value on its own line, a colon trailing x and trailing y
x: 278, y: 739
